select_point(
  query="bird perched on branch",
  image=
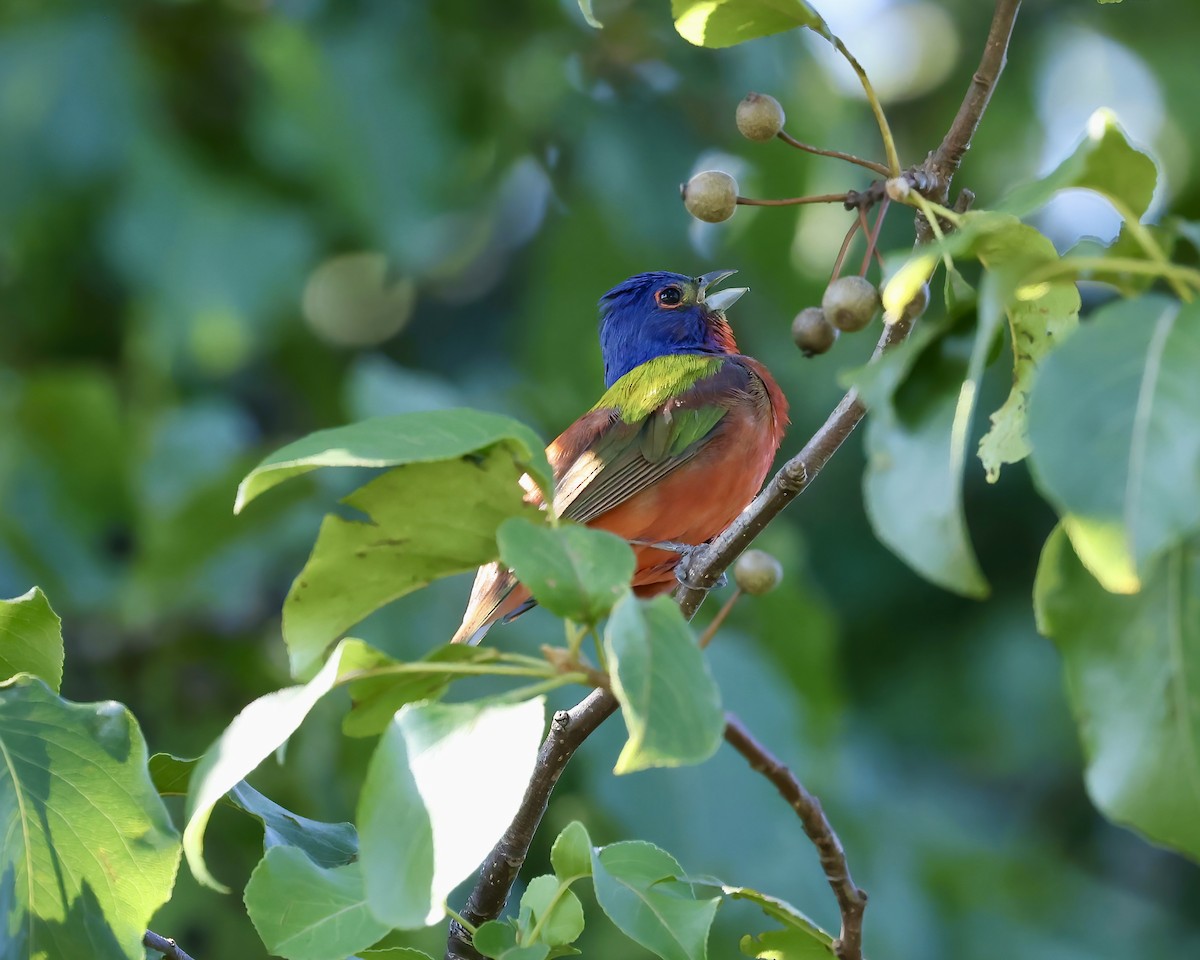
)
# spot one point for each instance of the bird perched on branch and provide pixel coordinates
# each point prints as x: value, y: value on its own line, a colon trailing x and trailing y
x: 676, y: 448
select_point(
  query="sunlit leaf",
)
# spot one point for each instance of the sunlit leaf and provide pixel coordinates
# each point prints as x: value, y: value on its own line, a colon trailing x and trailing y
x: 585, y: 7
x: 723, y: 23
x: 670, y: 703
x: 31, y: 638
x: 786, y: 944
x: 254, y: 735
x: 572, y: 571
x: 634, y: 886
x: 1116, y: 441
x: 1105, y: 162
x: 498, y: 940
x: 426, y: 520
x: 400, y: 439
x: 306, y: 912
x: 1132, y: 665
x: 423, y: 822
x: 87, y: 850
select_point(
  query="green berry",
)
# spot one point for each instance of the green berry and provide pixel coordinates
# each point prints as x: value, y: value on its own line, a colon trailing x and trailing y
x: 759, y: 117
x: 850, y: 303
x: 710, y: 196
x: 757, y: 572
x: 812, y: 332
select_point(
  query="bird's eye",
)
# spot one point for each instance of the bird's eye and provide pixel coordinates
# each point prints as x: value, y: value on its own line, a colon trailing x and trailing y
x: 669, y: 297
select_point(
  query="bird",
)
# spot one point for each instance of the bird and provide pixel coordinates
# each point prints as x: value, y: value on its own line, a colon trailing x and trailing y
x: 677, y: 446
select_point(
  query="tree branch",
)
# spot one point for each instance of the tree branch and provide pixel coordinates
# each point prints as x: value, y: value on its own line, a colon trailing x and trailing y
x: 570, y: 728
x: 851, y: 900
x: 164, y: 945
x: 943, y: 163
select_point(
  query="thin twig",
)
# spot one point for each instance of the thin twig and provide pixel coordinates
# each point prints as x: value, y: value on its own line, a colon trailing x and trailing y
x: 878, y: 168
x: 851, y: 900
x: 164, y: 945
x: 792, y: 201
x: 568, y: 730
x: 944, y: 162
x: 873, y: 239
x: 885, y: 131
x: 711, y: 630
x: 841, y: 257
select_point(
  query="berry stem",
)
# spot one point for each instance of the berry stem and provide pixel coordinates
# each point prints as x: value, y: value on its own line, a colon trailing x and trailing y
x: 878, y: 168
x: 873, y: 236
x: 792, y: 201
x: 711, y: 630
x: 885, y: 131
x: 837, y: 264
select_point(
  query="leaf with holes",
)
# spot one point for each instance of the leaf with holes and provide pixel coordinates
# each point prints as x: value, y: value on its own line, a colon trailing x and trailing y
x: 1132, y: 665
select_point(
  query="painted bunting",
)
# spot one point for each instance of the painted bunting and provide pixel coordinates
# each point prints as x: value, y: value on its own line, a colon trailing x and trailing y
x: 676, y: 448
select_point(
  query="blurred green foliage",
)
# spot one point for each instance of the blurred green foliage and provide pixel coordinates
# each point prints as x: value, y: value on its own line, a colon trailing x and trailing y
x: 191, y: 189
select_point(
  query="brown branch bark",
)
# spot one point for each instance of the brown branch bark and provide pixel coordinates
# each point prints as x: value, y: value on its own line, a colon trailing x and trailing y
x: 570, y: 728
x: 851, y: 900
x: 164, y: 945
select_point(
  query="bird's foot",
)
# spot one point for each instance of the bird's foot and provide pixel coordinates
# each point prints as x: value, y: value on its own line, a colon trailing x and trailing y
x: 687, y: 554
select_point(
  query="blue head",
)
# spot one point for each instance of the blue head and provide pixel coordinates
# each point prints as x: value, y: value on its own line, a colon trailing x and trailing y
x: 654, y: 314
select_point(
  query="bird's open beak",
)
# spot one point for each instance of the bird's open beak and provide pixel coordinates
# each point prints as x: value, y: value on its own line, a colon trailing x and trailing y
x: 722, y: 300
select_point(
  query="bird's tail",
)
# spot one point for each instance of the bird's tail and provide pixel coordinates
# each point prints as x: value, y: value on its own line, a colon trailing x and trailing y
x: 496, y: 596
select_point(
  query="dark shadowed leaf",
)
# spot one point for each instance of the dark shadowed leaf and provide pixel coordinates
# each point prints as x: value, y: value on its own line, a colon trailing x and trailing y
x: 1131, y: 665
x: 87, y: 850
x: 921, y: 396
x: 634, y: 885
x: 442, y: 786
x: 572, y: 571
x: 391, y: 441
x: 306, y: 912
x: 426, y: 520
x: 1116, y: 440
x: 670, y: 703
x: 723, y: 23
x: 498, y: 940
x: 31, y: 638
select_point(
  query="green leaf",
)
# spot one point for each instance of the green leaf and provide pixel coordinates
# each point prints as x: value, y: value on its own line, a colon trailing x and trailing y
x: 306, y: 912
x: 427, y: 520
x: 31, y: 638
x: 1105, y: 162
x: 254, y: 735
x: 376, y: 699
x: 499, y: 940
x: 550, y: 913
x: 1116, y: 441
x: 723, y: 23
x: 787, y: 944
x: 921, y: 396
x: 87, y: 850
x: 326, y: 844
x: 571, y: 855
x: 634, y: 886
x: 585, y: 7
x: 1131, y: 665
x: 1039, y: 318
x: 442, y: 786
x: 670, y: 702
x: 571, y: 570
x: 400, y: 439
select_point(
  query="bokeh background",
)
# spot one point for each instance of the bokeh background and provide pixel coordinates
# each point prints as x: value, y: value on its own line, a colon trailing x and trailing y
x: 226, y: 224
